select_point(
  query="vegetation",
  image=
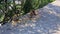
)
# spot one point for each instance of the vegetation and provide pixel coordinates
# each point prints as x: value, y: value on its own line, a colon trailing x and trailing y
x: 9, y: 8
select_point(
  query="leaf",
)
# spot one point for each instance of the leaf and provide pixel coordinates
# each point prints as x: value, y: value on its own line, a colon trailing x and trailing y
x: 1, y: 17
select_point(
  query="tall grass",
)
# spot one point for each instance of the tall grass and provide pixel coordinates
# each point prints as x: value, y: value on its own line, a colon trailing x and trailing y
x: 34, y: 4
x: 45, y: 2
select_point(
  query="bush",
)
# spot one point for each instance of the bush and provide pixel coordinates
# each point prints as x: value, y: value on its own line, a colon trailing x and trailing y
x: 10, y: 8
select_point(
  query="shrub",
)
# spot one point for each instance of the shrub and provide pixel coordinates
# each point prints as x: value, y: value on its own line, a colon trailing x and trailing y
x: 10, y: 8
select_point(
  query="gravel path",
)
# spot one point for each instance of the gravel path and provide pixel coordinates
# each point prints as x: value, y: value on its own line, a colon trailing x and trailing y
x: 48, y: 23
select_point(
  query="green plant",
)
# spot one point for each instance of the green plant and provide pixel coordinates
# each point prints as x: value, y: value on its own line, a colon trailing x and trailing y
x: 10, y: 8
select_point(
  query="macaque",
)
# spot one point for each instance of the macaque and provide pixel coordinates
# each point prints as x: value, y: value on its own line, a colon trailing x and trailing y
x: 16, y: 15
x: 32, y: 13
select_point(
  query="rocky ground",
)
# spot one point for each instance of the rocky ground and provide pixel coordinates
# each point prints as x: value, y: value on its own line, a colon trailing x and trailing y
x: 47, y: 23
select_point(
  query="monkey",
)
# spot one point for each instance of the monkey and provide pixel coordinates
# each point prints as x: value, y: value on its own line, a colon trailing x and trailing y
x: 32, y: 13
